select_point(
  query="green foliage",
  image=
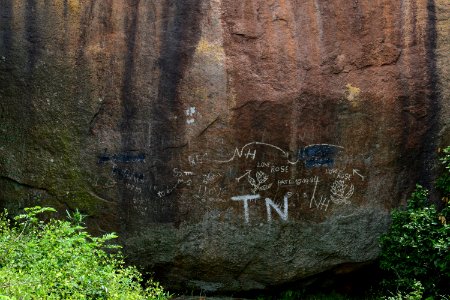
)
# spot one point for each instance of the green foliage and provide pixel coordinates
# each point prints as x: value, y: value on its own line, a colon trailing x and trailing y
x: 58, y: 259
x: 443, y: 182
x: 308, y: 295
x: 416, y: 250
x: 416, y: 293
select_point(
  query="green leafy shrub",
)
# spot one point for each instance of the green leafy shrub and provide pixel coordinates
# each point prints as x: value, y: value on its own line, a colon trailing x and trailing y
x: 416, y: 249
x: 58, y: 259
x: 443, y: 182
x: 415, y: 293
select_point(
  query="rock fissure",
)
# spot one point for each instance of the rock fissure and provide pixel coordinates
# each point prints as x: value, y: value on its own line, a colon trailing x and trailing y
x: 26, y: 185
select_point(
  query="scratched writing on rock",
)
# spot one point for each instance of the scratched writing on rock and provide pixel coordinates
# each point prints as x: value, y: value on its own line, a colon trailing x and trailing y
x: 254, y: 177
x: 126, y: 174
x: 310, y: 173
x: 204, y: 192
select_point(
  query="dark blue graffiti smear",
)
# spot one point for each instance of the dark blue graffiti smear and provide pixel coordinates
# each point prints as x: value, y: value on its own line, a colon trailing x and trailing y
x: 318, y: 155
x: 121, y: 158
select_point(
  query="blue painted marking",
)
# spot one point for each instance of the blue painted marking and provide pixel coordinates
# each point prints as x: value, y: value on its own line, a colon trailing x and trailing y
x: 121, y: 158
x: 318, y: 155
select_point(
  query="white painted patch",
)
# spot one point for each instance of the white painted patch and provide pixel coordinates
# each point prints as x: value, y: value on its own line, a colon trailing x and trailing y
x: 190, y: 111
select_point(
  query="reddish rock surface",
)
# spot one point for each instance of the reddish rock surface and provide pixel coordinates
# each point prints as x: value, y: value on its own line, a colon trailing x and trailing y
x: 234, y: 145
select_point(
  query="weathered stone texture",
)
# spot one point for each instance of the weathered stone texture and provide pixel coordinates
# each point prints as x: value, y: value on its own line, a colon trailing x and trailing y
x: 234, y: 145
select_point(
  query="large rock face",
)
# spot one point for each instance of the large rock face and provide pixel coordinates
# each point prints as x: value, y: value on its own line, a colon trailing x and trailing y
x: 234, y: 145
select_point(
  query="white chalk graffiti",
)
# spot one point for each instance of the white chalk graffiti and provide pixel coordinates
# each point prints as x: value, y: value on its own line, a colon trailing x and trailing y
x: 257, y: 183
x: 313, y: 197
x: 269, y: 206
x: 283, y: 214
x: 341, y: 192
x: 197, y: 159
x: 169, y: 190
x: 182, y: 173
x: 297, y: 181
x: 204, y: 192
x: 240, y: 152
x: 133, y: 188
x: 356, y: 171
x: 210, y: 177
x: 246, y: 174
x: 245, y: 199
x: 263, y: 171
x: 321, y: 204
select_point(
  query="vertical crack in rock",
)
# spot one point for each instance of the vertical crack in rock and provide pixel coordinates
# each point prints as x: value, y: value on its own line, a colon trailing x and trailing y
x: 181, y: 32
x: 129, y: 103
x: 24, y: 185
x: 180, y: 35
x: 31, y: 35
x: 66, y: 23
x: 431, y: 136
x: 6, y: 13
x: 419, y: 100
x: 106, y: 21
x: 65, y: 8
x: 86, y: 20
x: 409, y: 18
x: 429, y: 76
x: 405, y: 98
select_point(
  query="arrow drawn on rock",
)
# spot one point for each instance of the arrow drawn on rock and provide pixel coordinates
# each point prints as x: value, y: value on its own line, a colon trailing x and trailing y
x: 246, y: 174
x: 356, y: 171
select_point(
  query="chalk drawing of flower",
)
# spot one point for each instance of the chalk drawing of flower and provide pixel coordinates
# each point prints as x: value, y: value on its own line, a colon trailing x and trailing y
x: 341, y: 193
x: 257, y: 184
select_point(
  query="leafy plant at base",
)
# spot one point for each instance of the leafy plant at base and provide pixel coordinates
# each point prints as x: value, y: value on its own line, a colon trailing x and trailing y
x: 59, y: 260
x: 415, y: 293
x: 416, y: 250
x: 443, y: 182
